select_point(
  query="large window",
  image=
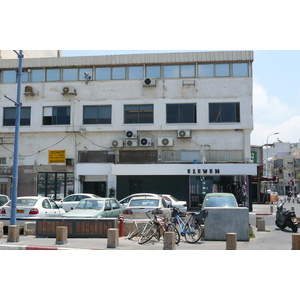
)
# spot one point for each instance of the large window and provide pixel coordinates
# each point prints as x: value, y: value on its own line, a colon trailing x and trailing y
x: 9, y: 116
x: 181, y: 113
x: 97, y: 114
x: 59, y: 115
x: 224, y: 112
x: 138, y: 114
x: 96, y: 156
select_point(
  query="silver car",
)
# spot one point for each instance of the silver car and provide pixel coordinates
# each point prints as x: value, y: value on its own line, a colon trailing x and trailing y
x: 138, y: 206
x: 69, y: 202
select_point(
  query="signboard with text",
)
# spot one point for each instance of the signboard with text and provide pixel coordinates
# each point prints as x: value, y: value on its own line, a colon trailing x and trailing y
x: 56, y: 156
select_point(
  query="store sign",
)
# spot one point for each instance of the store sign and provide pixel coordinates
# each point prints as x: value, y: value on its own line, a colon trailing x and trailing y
x: 203, y: 171
x: 254, y: 157
x: 56, y: 156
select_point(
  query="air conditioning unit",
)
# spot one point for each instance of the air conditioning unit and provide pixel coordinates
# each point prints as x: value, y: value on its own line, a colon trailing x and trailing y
x: 145, y: 142
x: 149, y: 82
x: 117, y: 143
x: 131, y: 143
x: 184, y: 133
x: 28, y: 91
x: 69, y: 90
x: 69, y: 161
x: 165, y: 142
x: 131, y: 134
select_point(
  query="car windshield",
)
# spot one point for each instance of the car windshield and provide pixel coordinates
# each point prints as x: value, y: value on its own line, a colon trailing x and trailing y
x: 90, y: 204
x: 220, y: 201
x: 25, y: 202
x: 144, y: 202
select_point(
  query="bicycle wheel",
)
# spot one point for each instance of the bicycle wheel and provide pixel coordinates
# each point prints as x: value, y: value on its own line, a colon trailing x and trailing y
x: 136, y: 232
x: 172, y: 228
x: 147, y: 234
x: 192, y: 233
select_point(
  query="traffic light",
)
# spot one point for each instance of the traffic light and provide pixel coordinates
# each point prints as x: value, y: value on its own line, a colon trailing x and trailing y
x: 293, y: 182
x: 280, y: 170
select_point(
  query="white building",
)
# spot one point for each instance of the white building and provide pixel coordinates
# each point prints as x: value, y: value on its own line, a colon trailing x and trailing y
x: 176, y: 123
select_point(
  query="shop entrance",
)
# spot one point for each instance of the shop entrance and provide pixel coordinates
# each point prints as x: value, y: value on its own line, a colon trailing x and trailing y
x: 98, y: 188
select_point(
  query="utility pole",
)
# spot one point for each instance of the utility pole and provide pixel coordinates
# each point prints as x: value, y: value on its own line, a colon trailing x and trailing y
x: 15, y: 177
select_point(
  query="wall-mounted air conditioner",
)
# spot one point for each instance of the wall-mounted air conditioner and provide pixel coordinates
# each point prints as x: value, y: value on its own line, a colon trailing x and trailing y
x: 145, y: 142
x: 117, y: 143
x: 131, y: 143
x: 131, y: 134
x: 69, y: 90
x: 184, y: 133
x: 28, y: 91
x: 69, y: 161
x: 165, y: 142
x: 149, y: 82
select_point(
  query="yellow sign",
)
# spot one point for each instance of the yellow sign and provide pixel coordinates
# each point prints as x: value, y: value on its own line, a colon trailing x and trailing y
x: 56, y: 156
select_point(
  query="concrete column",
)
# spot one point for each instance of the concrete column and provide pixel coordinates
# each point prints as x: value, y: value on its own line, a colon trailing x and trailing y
x: 295, y: 241
x: 231, y: 241
x: 13, y: 233
x: 61, y: 235
x: 261, y: 225
x: 112, y: 238
x: 169, y: 240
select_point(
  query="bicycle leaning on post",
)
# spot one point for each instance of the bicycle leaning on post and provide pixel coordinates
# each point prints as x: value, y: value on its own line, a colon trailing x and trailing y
x: 191, y: 230
x: 156, y: 227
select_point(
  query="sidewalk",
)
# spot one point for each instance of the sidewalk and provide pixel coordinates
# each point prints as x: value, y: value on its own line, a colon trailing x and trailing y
x: 262, y: 240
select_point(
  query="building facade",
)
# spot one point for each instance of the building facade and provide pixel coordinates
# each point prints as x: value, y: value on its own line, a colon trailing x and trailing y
x: 174, y: 123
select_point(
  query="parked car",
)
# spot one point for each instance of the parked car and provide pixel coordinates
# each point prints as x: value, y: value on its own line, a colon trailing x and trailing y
x: 124, y: 202
x: 138, y: 206
x: 219, y: 200
x: 181, y: 205
x: 29, y: 209
x: 96, y: 208
x: 58, y: 197
x: 3, y: 199
x: 69, y: 202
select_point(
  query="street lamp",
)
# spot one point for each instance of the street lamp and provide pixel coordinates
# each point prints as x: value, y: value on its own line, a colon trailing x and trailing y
x: 267, y: 152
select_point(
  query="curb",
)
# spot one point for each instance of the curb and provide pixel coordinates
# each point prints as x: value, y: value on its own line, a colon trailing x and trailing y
x: 25, y: 247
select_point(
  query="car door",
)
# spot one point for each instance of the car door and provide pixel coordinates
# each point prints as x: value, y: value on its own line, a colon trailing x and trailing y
x: 56, y: 211
x: 47, y: 209
x: 108, y: 209
x: 116, y: 208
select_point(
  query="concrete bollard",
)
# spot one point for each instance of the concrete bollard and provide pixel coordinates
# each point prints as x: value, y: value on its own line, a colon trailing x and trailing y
x: 261, y: 225
x: 112, y: 238
x: 29, y: 228
x: 61, y: 235
x: 1, y: 230
x: 257, y: 219
x: 13, y: 233
x: 231, y: 241
x: 169, y: 240
x: 271, y: 209
x: 295, y: 241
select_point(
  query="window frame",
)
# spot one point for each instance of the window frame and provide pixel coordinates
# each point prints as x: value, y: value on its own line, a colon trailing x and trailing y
x: 137, y: 117
x: 213, y: 116
x: 24, y: 121
x: 180, y: 114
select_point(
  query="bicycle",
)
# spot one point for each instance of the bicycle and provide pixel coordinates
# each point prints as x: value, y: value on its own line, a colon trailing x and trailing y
x: 191, y: 230
x: 157, y: 226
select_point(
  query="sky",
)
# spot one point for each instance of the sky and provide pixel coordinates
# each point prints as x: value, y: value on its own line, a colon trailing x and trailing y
x: 276, y: 91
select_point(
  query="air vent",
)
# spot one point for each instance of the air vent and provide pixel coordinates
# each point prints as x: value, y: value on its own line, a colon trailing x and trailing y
x: 184, y: 134
x: 117, y: 143
x: 149, y: 82
x: 165, y: 142
x: 131, y: 143
x: 131, y: 134
x: 69, y: 90
x: 145, y: 142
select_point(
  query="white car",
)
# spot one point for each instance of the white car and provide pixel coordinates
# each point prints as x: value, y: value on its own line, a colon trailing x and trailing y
x: 69, y: 202
x: 181, y: 205
x: 124, y: 202
x: 28, y: 209
x: 3, y: 199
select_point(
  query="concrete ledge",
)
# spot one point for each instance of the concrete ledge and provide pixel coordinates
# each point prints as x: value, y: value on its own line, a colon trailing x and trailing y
x: 221, y: 221
x: 29, y: 228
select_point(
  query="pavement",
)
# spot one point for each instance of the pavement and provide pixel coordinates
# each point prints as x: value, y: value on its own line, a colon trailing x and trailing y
x: 270, y: 239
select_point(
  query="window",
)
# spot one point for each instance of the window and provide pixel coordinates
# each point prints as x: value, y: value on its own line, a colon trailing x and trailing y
x: 103, y: 74
x: 240, y: 69
x: 206, y: 70
x: 181, y: 113
x: 224, y: 112
x: 118, y: 73
x: 96, y: 156
x: 97, y: 114
x: 138, y: 114
x: 138, y: 157
x: 37, y: 75
x: 53, y: 75
x: 187, y: 71
x: 136, y: 72
x: 9, y: 118
x: 85, y: 70
x: 70, y: 74
x: 9, y: 76
x: 153, y: 71
x: 222, y: 70
x: 59, y: 115
x: 171, y: 71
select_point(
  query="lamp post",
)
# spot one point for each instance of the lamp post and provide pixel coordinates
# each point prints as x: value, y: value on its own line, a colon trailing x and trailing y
x: 268, y: 154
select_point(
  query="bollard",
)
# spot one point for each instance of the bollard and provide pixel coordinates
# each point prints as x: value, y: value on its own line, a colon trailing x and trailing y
x: 257, y: 219
x: 271, y: 209
x: 112, y: 238
x: 295, y: 241
x: 61, y: 235
x: 231, y: 241
x: 1, y: 230
x: 13, y: 233
x: 29, y: 228
x: 169, y: 240
x: 261, y: 225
